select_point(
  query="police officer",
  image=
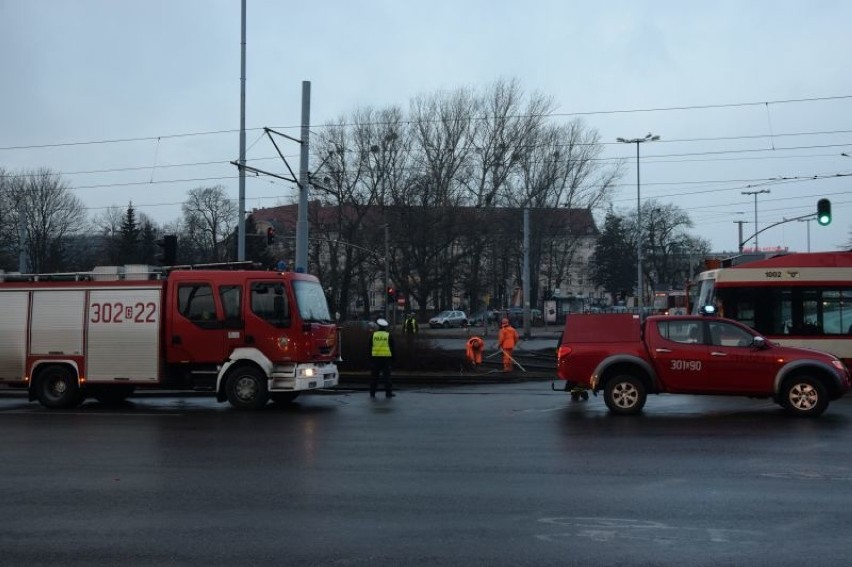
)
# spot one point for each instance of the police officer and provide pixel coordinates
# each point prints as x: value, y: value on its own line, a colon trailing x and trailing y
x: 409, y: 327
x: 381, y: 356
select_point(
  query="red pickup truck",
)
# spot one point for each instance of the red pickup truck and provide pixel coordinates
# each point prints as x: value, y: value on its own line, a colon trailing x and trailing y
x: 628, y: 358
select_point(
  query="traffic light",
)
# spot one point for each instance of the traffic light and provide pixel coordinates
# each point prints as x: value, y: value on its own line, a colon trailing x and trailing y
x: 391, y: 293
x: 824, y: 212
x: 168, y: 243
x: 270, y: 236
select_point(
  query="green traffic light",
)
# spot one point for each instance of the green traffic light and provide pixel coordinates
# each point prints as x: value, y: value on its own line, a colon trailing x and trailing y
x: 824, y: 212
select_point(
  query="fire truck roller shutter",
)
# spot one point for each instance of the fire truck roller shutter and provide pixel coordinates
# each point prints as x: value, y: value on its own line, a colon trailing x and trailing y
x: 56, y: 326
x: 123, y: 337
x: 14, y: 307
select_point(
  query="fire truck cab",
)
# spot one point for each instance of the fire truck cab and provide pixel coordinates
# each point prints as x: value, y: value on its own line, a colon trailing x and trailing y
x: 247, y: 335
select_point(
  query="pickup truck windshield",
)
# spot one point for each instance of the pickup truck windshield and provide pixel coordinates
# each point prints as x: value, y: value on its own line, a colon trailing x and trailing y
x: 310, y: 298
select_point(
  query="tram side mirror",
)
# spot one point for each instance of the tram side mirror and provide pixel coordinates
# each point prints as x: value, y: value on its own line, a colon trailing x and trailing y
x: 708, y: 310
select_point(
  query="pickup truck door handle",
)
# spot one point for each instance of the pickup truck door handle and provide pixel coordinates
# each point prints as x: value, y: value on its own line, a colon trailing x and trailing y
x: 717, y: 353
x: 663, y: 350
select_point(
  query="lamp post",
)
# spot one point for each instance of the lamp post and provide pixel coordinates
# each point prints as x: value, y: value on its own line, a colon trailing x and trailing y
x: 756, y: 231
x: 648, y: 138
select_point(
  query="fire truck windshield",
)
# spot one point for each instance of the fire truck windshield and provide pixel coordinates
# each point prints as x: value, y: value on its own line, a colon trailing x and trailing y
x: 310, y: 298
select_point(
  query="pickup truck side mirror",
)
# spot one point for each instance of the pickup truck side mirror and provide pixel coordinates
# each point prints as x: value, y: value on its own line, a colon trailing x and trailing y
x: 759, y: 343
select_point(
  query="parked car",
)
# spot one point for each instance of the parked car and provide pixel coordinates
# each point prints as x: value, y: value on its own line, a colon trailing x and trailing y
x: 492, y: 316
x: 363, y: 325
x: 447, y: 319
x: 516, y: 316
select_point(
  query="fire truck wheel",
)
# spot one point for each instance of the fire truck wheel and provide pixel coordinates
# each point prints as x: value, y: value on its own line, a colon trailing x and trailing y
x: 246, y: 388
x: 804, y: 396
x: 284, y: 397
x: 625, y: 394
x: 56, y: 387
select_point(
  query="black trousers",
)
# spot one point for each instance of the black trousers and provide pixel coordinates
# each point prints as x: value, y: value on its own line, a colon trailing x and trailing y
x: 381, y: 367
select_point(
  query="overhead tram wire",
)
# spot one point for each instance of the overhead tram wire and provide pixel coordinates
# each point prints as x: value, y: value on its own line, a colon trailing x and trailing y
x: 651, y: 159
x: 472, y: 118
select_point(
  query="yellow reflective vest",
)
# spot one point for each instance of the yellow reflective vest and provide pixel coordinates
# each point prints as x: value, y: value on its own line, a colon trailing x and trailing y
x: 381, y: 344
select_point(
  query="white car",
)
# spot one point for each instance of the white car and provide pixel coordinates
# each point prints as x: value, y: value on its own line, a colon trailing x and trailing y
x: 447, y: 319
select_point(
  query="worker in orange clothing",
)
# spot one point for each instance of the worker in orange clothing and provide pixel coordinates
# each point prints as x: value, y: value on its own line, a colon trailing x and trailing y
x: 507, y: 338
x: 474, y: 349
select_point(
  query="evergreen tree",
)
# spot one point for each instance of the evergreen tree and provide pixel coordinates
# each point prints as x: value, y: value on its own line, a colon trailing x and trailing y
x: 148, y: 242
x: 129, y: 252
x: 614, y: 261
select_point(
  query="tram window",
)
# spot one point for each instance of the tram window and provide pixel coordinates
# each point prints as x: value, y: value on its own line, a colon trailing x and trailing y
x: 832, y: 311
x: 846, y: 310
x: 745, y: 313
x: 782, y: 312
x: 811, y: 316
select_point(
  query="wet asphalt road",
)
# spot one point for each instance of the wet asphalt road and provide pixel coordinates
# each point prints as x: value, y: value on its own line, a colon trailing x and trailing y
x: 511, y: 474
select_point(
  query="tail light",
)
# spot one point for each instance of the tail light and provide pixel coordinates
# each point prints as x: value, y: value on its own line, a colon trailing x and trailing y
x: 563, y: 351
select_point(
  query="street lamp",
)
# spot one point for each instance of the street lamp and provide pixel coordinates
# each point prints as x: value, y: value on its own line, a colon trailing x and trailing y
x: 755, y: 193
x: 648, y: 138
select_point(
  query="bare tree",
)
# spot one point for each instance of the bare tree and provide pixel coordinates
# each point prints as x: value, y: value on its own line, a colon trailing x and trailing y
x: 670, y: 253
x: 437, y: 178
x: 51, y: 214
x: 8, y: 223
x: 209, y: 217
x: 359, y: 166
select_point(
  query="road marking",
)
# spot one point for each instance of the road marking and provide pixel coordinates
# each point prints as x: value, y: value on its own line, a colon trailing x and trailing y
x: 610, y: 529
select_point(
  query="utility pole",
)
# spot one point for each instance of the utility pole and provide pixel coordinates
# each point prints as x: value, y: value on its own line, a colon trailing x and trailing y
x: 740, y: 234
x: 23, y: 257
x: 304, y: 182
x: 241, y: 226
x: 526, y: 275
x: 756, y: 231
x: 809, y: 231
x: 387, y: 272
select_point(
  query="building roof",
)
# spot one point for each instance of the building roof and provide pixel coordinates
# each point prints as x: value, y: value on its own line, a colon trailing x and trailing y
x: 284, y: 217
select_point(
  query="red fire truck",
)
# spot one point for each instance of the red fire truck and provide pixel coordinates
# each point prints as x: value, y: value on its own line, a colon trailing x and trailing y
x: 247, y: 335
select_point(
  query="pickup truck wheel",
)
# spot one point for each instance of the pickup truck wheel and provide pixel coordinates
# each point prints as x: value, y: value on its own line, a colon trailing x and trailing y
x: 625, y: 394
x: 804, y: 396
x: 246, y: 388
x: 57, y: 387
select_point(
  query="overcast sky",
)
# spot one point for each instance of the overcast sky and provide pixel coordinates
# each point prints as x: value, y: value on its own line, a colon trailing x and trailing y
x: 742, y: 93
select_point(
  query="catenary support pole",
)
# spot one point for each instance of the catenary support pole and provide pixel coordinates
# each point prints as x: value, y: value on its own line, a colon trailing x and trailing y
x: 304, y: 182
x: 241, y: 226
x: 526, y: 276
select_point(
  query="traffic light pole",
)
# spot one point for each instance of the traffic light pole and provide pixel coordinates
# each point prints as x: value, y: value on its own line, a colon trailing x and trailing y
x: 742, y: 244
x: 387, y: 272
